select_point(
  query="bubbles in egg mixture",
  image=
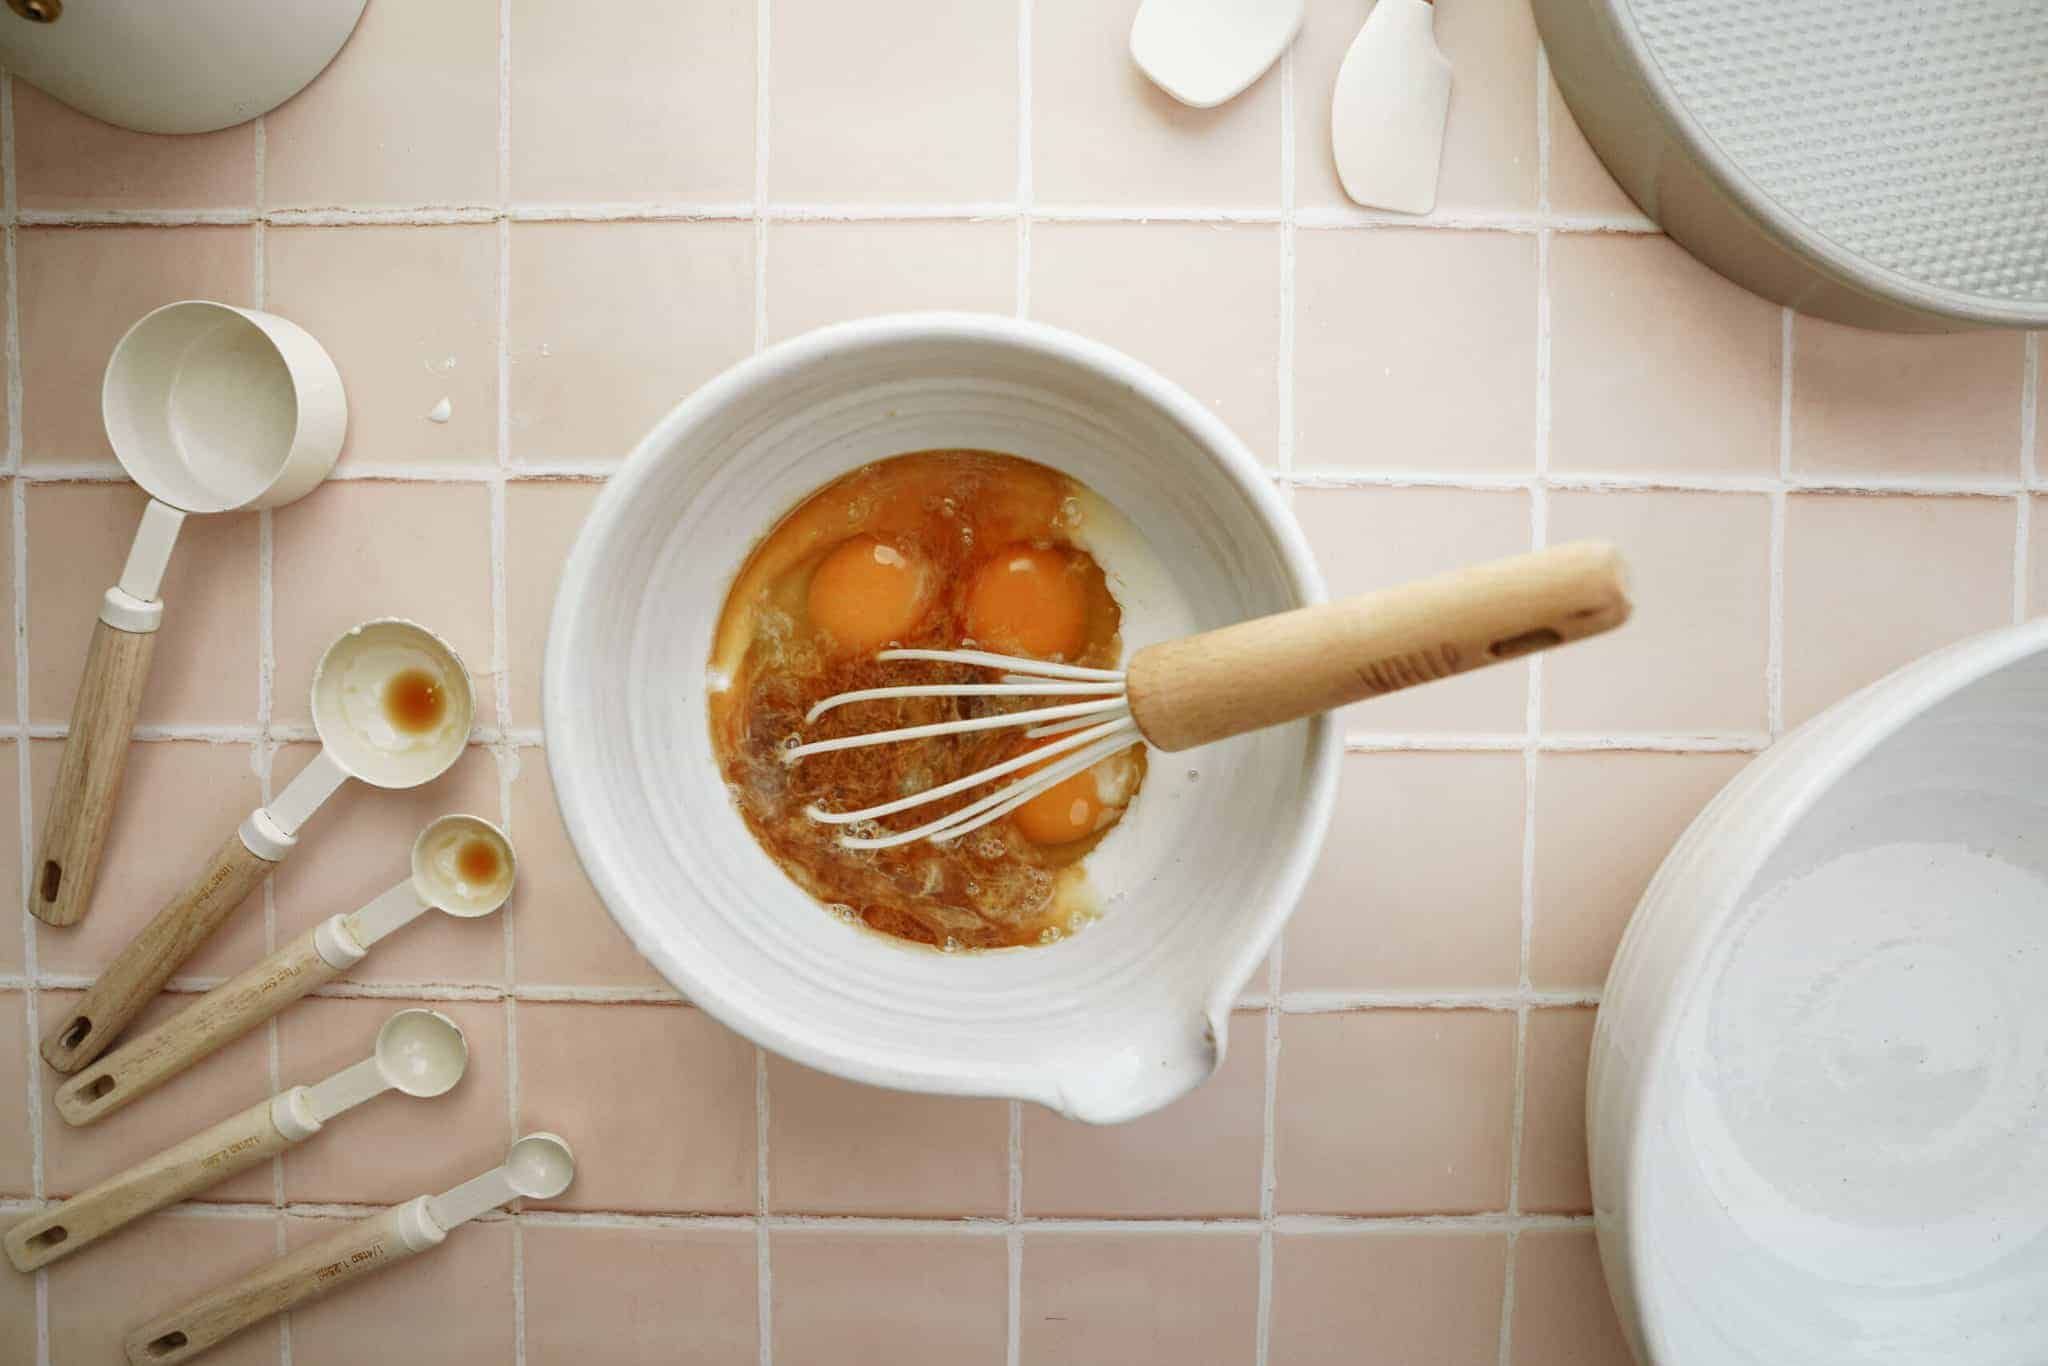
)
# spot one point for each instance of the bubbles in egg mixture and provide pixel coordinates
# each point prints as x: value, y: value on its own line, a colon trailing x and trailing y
x: 913, y: 537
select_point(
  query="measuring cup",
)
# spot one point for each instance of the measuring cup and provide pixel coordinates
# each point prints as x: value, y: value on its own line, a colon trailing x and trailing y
x: 447, y: 875
x: 362, y: 723
x: 419, y: 1052
x: 209, y: 408
x: 538, y: 1167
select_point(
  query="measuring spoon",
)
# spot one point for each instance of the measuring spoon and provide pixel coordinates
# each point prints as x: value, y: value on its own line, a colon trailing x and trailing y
x: 461, y: 866
x: 392, y: 706
x: 538, y: 1167
x: 209, y: 408
x: 418, y: 1052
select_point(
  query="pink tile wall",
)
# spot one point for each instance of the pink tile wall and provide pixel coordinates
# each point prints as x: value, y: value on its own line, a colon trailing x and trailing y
x: 500, y: 205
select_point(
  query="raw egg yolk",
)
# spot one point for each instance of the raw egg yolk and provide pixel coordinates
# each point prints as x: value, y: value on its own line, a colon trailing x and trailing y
x: 1077, y: 806
x: 1029, y: 601
x: 867, y: 593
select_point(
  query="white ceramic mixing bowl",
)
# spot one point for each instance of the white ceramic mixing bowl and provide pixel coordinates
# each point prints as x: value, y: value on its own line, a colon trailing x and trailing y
x: 1106, y: 1025
x: 1818, y: 1104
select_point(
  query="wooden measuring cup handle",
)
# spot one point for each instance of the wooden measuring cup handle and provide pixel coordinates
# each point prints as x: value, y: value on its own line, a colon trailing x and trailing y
x: 201, y: 1029
x: 1271, y: 670
x: 205, y: 1159
x: 347, y: 1255
x: 89, y: 775
x: 86, y: 1031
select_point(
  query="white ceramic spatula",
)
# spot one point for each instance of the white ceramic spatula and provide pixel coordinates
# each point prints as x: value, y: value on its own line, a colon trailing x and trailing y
x: 1387, y: 115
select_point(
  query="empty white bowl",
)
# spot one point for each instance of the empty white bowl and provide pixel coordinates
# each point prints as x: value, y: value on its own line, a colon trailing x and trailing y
x: 1105, y: 1025
x: 1818, y: 1103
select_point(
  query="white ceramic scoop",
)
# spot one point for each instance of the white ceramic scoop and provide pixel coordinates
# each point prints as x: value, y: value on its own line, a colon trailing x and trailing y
x: 1203, y: 52
x: 209, y: 408
x: 461, y: 866
x: 538, y: 1167
x: 376, y: 681
x: 1389, y: 108
x: 418, y: 1052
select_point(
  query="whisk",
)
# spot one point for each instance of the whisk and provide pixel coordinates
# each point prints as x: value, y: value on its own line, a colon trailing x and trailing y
x: 1182, y: 693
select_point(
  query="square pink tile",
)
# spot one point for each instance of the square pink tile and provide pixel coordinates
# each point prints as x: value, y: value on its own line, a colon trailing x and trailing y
x: 1099, y: 120
x: 151, y: 1268
x: 180, y: 800
x: 360, y: 549
x: 1371, y: 538
x: 1563, y: 1315
x: 12, y: 958
x: 407, y: 114
x: 230, y: 1081
x: 347, y: 285
x: 1604, y: 822
x: 7, y: 621
x: 1134, y: 1296
x: 80, y: 289
x: 423, y: 1146
x: 562, y: 935
x: 1420, y: 883
x: 360, y: 845
x: 861, y: 1297
x: 1861, y: 598
x: 17, y: 1160
x: 1554, y: 1176
x: 1889, y: 404
x: 935, y: 88
x: 67, y: 160
x: 1126, y: 284
x: 18, y: 1318
x: 1692, y: 658
x: 666, y: 116
x: 634, y: 1156
x: 542, y: 518
x: 1415, y: 350
x: 1579, y: 184
x: 1490, y: 138
x: 837, y: 1147
x: 1658, y: 365
x: 2037, y: 557
x: 828, y: 272
x: 408, y: 1317
x: 639, y: 1296
x: 203, y: 670
x: 1198, y: 1157
x: 1415, y: 1297
x: 1394, y: 1112
x: 613, y: 324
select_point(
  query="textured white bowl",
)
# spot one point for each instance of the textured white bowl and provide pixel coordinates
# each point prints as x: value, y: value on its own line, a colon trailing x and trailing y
x: 1818, y: 1102
x: 1105, y: 1026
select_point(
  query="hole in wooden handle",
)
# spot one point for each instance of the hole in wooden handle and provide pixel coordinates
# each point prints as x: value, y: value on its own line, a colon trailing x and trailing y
x: 75, y: 1032
x: 53, y: 878
x: 1527, y: 643
x: 38, y: 11
x: 49, y: 1237
x: 98, y: 1086
x: 167, y: 1344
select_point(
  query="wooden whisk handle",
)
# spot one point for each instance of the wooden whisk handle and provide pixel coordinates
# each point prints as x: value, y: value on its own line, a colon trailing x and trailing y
x: 1271, y: 670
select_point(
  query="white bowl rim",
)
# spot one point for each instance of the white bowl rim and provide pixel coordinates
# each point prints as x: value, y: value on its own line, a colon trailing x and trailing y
x: 1800, y: 769
x: 561, y: 725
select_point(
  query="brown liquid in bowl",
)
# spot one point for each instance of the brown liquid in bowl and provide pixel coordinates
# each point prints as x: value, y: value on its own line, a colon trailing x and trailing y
x: 414, y: 701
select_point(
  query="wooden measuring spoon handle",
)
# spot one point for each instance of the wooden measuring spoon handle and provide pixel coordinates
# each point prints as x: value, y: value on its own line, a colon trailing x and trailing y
x: 205, y: 1159
x: 89, y: 775
x: 343, y: 1257
x: 201, y: 1029
x: 1281, y: 668
x: 97, y: 1019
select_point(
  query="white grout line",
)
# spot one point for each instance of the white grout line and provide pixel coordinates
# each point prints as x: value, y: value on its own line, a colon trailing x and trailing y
x: 764, y: 1270
x: 433, y: 215
x: 1025, y: 187
x: 1013, y: 1293
x: 2030, y: 429
x: 9, y: 212
x: 1774, y: 659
